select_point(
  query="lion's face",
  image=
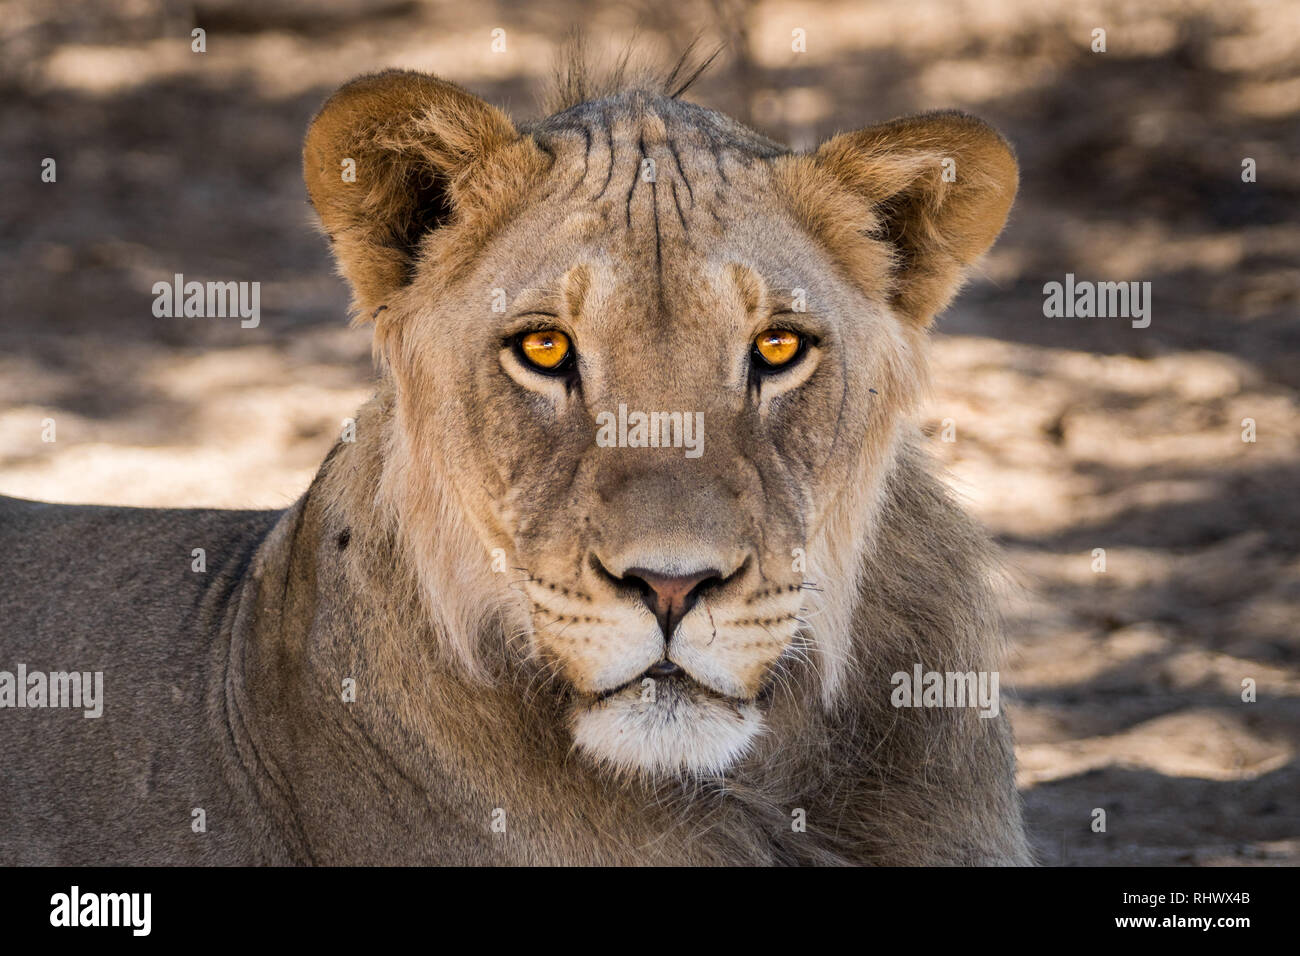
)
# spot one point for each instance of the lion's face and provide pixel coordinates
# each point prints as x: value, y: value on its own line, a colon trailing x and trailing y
x: 653, y: 427
x: 662, y: 411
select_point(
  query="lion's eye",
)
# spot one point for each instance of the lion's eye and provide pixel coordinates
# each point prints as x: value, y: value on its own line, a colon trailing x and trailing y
x: 778, y: 347
x: 545, y: 350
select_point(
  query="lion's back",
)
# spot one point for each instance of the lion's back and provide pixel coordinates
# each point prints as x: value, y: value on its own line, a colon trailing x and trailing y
x: 76, y: 578
x: 114, y: 591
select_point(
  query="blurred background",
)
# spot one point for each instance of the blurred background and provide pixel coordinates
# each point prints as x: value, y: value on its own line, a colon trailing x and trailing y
x: 1071, y: 435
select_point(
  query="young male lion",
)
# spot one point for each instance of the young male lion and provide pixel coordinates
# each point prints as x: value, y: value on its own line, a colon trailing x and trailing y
x: 626, y: 552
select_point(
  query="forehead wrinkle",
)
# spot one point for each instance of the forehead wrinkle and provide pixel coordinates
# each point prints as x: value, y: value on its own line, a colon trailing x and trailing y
x: 603, y: 146
x: 572, y: 151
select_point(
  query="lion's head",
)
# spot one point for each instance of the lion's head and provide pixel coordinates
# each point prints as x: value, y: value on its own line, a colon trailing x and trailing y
x: 648, y: 369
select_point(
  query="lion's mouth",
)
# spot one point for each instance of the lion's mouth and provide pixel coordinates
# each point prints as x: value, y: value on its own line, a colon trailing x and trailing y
x: 676, y: 677
x: 664, y: 670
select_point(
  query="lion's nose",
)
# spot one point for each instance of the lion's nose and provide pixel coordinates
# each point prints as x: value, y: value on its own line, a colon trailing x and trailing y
x: 670, y: 596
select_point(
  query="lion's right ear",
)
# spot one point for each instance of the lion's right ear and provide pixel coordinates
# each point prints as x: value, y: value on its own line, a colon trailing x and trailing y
x: 932, y: 190
x: 394, y: 156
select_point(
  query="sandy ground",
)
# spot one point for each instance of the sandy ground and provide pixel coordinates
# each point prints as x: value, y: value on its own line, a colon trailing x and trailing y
x: 1070, y: 435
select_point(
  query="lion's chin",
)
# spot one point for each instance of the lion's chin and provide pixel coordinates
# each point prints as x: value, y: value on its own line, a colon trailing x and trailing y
x: 684, y: 728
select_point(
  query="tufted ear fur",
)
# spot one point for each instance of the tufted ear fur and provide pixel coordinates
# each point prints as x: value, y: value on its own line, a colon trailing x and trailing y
x: 935, y: 188
x: 427, y: 154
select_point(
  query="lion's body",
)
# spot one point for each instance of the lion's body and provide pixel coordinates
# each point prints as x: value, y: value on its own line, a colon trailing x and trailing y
x: 471, y: 640
x: 224, y: 693
x: 110, y: 589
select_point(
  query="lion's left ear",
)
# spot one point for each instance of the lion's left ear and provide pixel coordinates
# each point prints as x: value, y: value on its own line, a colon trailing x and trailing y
x: 394, y: 156
x: 936, y: 187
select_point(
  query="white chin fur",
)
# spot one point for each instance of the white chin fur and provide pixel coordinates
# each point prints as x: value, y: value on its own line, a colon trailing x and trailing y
x: 682, y: 730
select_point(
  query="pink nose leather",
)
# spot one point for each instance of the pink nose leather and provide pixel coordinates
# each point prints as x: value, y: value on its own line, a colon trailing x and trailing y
x: 669, y: 597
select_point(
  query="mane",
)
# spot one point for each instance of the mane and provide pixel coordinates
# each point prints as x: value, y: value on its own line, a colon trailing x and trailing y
x: 583, y: 97
x: 575, y: 80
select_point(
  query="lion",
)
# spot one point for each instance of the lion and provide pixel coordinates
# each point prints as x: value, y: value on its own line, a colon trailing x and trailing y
x: 626, y: 556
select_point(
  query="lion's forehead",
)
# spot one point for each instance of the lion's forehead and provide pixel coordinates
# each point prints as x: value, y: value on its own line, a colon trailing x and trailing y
x: 654, y: 200
x: 662, y: 171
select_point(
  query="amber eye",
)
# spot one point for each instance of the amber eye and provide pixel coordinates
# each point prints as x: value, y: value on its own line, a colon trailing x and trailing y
x: 545, y: 350
x: 778, y: 347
